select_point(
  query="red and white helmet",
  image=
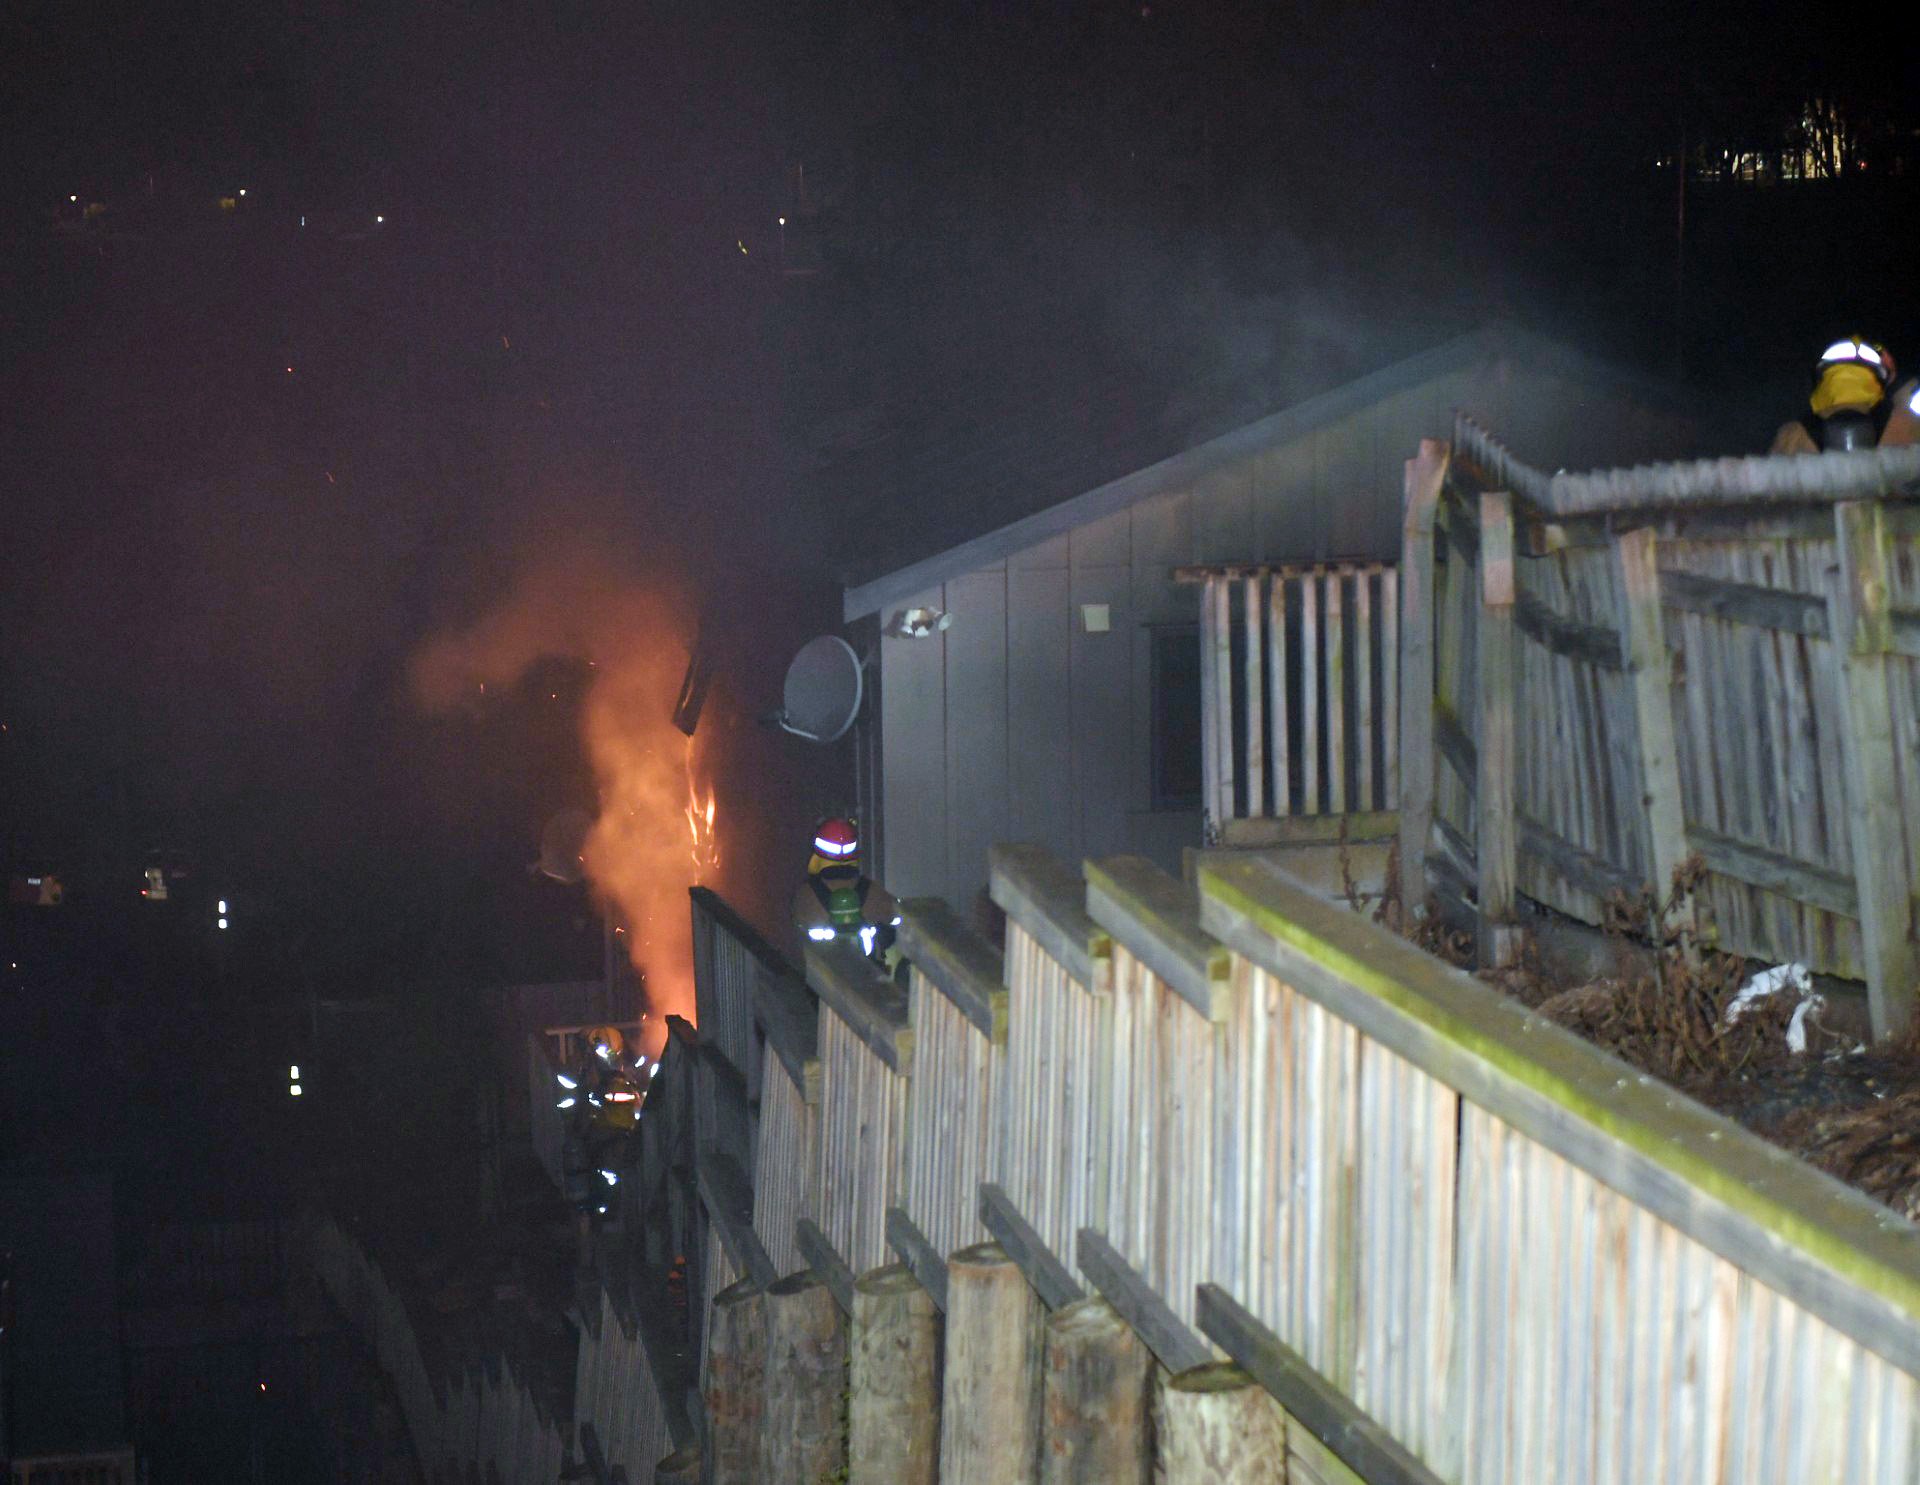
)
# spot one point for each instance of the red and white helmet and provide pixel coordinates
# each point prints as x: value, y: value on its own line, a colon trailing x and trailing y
x: 836, y: 842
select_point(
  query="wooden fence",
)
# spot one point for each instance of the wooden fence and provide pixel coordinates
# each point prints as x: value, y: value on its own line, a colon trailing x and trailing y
x: 376, y: 1314
x: 483, y: 1422
x: 1453, y: 1241
x: 1590, y: 1277
x: 94, y: 1467
x: 1298, y: 694
x: 1625, y: 670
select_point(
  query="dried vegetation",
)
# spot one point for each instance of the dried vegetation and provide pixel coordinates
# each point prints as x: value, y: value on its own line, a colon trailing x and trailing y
x: 1852, y: 1112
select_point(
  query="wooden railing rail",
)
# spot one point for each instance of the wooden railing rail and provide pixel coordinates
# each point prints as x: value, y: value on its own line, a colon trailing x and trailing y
x: 1698, y: 484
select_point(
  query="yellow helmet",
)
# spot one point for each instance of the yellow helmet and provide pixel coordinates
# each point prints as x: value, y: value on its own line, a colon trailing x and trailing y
x: 607, y: 1044
x: 1852, y: 375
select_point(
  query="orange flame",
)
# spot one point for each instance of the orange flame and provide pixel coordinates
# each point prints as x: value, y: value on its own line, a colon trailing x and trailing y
x: 705, y: 845
x: 577, y: 605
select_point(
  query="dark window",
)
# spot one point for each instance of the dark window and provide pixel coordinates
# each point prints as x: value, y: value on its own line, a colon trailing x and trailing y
x: 1176, y: 716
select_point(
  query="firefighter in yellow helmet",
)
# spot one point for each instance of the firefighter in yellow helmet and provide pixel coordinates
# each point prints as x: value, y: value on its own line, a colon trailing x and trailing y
x: 613, y: 1087
x: 606, y: 1045
x: 1848, y: 407
x: 601, y: 1096
x: 840, y: 901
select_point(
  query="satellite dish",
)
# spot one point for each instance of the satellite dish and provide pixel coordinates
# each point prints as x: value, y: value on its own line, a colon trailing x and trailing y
x: 823, y: 692
x: 562, y: 846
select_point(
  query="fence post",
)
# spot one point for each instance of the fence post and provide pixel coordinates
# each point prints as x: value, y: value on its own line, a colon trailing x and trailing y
x: 1497, y: 829
x: 990, y: 1402
x: 1424, y: 475
x: 1862, y: 632
x: 1649, y: 668
x: 1216, y: 1425
x: 802, y: 1425
x: 893, y: 1409
x: 1097, y: 1395
x: 736, y: 1381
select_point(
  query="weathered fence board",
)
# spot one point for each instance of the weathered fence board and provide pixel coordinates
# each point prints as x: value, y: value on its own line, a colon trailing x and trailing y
x: 948, y: 1121
x: 786, y: 1157
x: 1625, y: 1260
x: 1770, y: 649
x: 865, y: 1053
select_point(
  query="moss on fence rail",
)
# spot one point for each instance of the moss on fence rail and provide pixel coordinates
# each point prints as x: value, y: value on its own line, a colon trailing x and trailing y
x: 1831, y: 1249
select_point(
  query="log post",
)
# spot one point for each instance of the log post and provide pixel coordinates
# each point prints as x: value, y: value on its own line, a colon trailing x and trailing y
x: 1496, y: 850
x: 990, y: 1402
x: 1424, y: 477
x: 893, y: 1422
x: 682, y: 1467
x: 1096, y: 1408
x: 1217, y: 1426
x: 736, y: 1383
x: 802, y: 1422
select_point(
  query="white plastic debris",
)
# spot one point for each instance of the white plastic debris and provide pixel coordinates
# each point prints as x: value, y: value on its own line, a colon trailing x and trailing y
x: 1769, y: 982
x: 1796, y: 978
x: 1797, y: 1027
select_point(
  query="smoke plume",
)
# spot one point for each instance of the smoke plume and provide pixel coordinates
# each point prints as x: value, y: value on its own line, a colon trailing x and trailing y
x: 652, y: 836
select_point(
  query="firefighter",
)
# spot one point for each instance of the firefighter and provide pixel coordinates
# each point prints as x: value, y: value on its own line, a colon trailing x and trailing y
x: 614, y: 1091
x: 839, y: 901
x: 1848, y: 407
x: 603, y: 1097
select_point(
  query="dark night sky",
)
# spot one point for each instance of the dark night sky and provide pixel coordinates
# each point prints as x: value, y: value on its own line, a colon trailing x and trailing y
x: 212, y: 570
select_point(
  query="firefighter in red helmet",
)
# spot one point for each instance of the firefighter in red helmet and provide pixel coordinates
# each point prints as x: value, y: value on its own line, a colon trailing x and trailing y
x: 839, y: 900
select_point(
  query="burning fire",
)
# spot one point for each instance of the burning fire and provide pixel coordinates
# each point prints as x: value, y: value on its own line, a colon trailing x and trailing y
x: 638, y: 860
x: 706, y: 846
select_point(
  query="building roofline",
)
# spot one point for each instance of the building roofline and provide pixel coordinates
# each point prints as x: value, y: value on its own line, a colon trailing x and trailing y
x: 1192, y: 464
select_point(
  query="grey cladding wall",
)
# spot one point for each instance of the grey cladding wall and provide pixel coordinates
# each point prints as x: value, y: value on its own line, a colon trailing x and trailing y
x: 1020, y: 723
